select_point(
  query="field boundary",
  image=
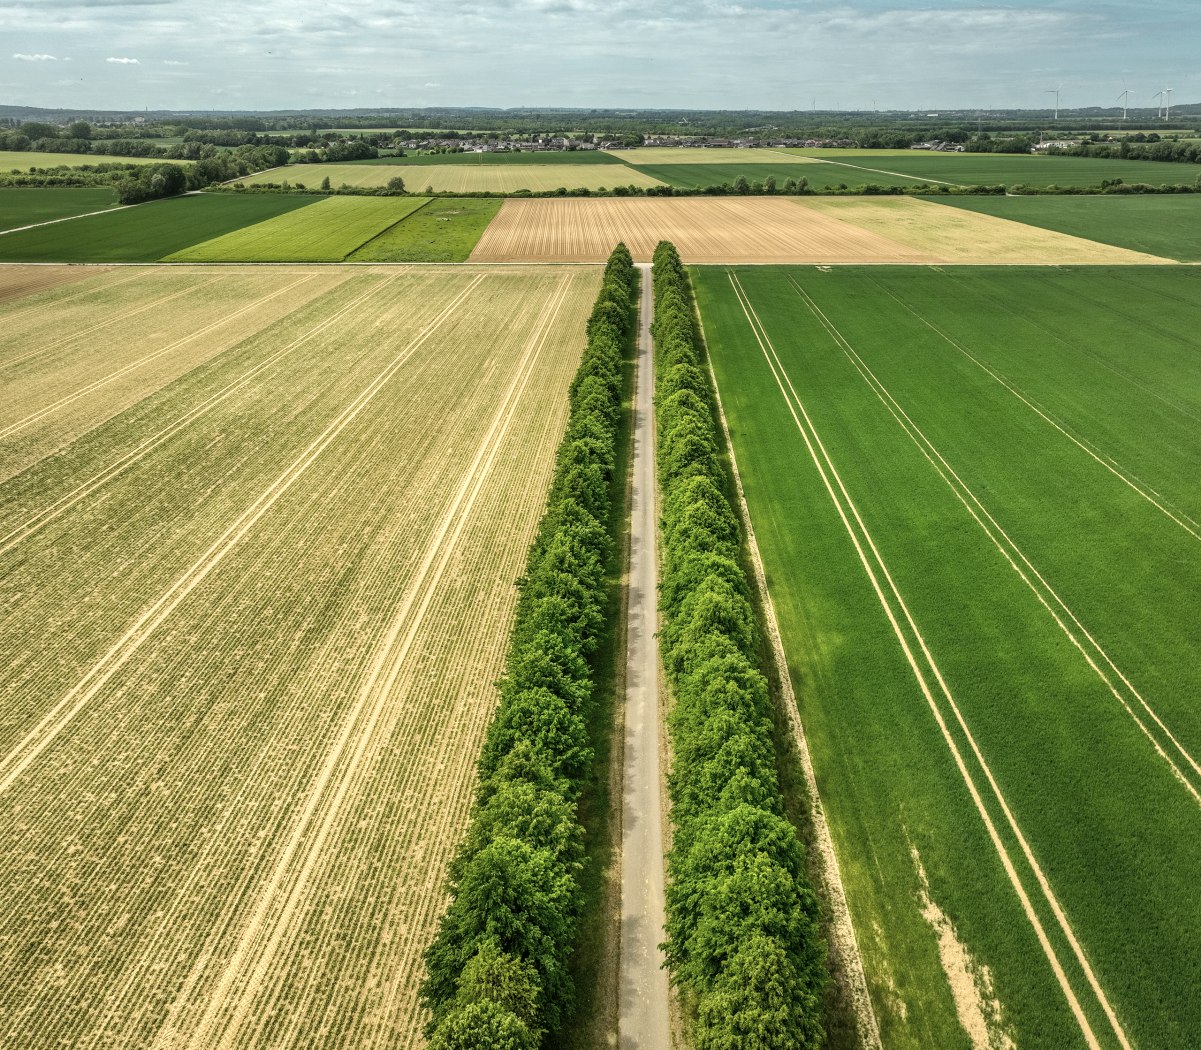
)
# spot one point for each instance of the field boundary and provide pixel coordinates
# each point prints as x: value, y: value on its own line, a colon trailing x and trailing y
x: 845, y: 955
x: 811, y: 438
x: 376, y: 236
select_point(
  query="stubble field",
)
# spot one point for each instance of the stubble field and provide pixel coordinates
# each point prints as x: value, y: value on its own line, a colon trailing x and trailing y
x: 258, y: 615
x: 975, y: 496
x: 777, y: 230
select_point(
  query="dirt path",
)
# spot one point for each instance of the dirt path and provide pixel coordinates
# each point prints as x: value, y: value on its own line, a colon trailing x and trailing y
x: 643, y: 994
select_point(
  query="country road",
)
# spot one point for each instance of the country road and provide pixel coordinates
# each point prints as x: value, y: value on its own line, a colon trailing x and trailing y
x: 643, y: 990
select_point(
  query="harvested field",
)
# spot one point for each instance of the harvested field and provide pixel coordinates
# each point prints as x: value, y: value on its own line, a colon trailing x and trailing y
x: 772, y: 230
x: 67, y: 366
x: 668, y: 155
x: 462, y: 178
x: 232, y: 776
x: 327, y: 231
x: 703, y: 229
x: 969, y: 237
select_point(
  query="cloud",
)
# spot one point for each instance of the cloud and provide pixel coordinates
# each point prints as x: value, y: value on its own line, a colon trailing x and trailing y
x: 123, y: 61
x: 430, y: 84
x: 172, y: 62
x: 35, y: 58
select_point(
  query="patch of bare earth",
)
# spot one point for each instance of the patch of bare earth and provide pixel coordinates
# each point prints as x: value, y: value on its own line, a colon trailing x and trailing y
x: 971, y: 982
x: 16, y: 282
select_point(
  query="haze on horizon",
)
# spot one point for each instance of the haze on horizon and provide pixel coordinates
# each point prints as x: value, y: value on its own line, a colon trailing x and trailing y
x: 704, y: 54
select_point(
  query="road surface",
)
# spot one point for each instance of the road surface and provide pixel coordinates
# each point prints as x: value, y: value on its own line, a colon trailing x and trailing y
x: 643, y: 1022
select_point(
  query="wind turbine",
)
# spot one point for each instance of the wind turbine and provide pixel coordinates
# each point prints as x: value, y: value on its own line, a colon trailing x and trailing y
x: 1167, y: 103
x: 1159, y: 105
x: 1055, y: 92
x: 1124, y: 98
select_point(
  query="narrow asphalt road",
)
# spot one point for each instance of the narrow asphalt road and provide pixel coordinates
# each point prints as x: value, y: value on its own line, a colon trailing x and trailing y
x: 643, y: 993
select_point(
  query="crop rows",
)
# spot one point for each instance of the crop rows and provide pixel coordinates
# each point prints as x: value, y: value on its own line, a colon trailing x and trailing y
x: 66, y: 368
x: 256, y: 858
x: 962, y: 497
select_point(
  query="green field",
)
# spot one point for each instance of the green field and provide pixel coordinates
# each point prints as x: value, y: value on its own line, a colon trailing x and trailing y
x: 1166, y: 225
x: 442, y: 231
x: 579, y: 156
x: 24, y: 160
x: 856, y: 168
x: 990, y: 169
x: 975, y: 495
x: 26, y: 205
x: 328, y: 231
x: 148, y: 232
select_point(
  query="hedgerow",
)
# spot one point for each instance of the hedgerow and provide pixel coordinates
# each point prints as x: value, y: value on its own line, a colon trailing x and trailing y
x: 497, y: 972
x: 744, y: 944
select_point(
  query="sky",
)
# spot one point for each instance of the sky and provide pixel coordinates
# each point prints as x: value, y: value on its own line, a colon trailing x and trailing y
x: 701, y: 54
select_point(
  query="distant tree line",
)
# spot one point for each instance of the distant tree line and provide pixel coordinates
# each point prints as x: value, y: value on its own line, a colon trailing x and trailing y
x: 744, y: 943
x: 497, y: 973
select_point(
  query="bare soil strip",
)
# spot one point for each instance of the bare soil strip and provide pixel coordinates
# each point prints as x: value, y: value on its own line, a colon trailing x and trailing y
x: 845, y: 960
x: 1009, y: 549
x: 61, y: 714
x: 861, y: 538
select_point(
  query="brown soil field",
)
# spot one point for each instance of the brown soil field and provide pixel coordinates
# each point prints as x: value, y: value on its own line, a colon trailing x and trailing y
x: 969, y: 237
x: 234, y: 772
x: 705, y: 230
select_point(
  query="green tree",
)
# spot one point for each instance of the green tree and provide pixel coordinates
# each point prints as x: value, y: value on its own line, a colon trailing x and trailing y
x: 325, y: 184
x: 81, y: 129
x: 741, y: 185
x: 483, y: 1026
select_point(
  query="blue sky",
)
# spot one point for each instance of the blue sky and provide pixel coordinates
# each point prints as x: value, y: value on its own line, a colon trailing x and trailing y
x: 769, y: 54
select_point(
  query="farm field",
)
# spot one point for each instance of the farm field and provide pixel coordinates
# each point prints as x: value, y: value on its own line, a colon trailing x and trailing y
x: 460, y: 178
x: 442, y: 231
x: 698, y: 176
x: 652, y: 155
x: 23, y: 160
x: 774, y: 230
x: 991, y: 169
x: 974, y: 493
x: 233, y: 775
x: 120, y: 338
x: 327, y: 231
x: 571, y: 158
x: 915, y: 223
x: 25, y: 205
x: 147, y: 232
x: 1168, y: 225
